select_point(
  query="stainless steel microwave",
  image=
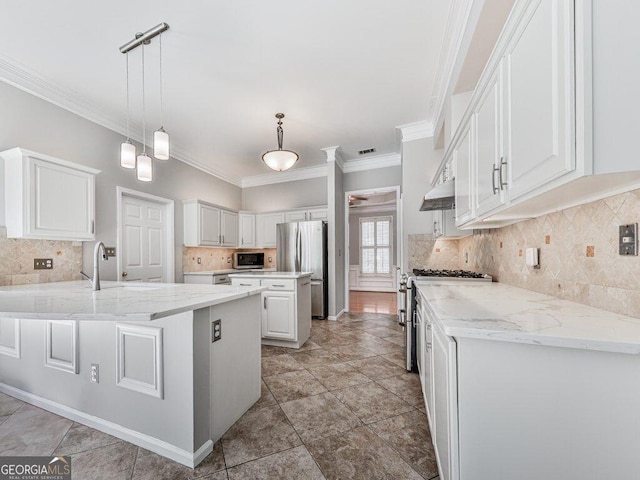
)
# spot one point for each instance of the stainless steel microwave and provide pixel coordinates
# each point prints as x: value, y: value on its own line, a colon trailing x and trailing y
x: 248, y: 260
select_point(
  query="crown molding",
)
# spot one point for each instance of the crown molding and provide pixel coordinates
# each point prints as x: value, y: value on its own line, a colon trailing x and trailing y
x: 334, y: 154
x: 461, y: 23
x: 282, y: 177
x: 369, y: 163
x: 33, y: 83
x: 416, y: 131
x: 355, y: 210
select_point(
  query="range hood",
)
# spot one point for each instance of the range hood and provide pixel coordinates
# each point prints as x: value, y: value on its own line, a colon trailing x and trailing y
x: 441, y: 197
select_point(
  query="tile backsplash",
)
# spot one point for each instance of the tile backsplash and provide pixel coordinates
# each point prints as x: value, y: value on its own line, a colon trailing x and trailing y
x: 579, y: 258
x: 16, y: 260
x: 219, y: 258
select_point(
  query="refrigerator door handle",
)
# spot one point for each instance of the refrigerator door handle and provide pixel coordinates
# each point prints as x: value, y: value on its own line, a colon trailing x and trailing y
x: 299, y: 251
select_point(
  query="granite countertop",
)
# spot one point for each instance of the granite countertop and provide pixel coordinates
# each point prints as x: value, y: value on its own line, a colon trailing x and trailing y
x: 495, y: 311
x: 117, y: 301
x: 213, y: 272
x: 270, y: 274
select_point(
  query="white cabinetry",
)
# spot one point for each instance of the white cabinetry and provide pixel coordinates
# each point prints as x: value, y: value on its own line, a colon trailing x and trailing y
x: 207, y: 225
x: 247, y: 234
x: 286, y: 308
x: 306, y: 215
x: 445, y: 400
x: 296, y: 216
x: 229, y: 228
x: 266, y: 228
x: 48, y: 198
x: 317, y: 214
x: 463, y: 157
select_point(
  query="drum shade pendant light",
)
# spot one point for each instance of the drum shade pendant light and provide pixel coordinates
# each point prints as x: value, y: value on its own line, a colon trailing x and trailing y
x: 280, y: 160
x: 143, y: 163
x: 160, y: 137
x: 128, y: 149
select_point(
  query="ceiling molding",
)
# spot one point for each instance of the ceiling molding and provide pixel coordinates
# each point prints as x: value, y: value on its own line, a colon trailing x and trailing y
x: 282, y: 177
x: 459, y: 29
x: 369, y: 163
x: 416, y: 131
x: 334, y: 154
x: 30, y: 81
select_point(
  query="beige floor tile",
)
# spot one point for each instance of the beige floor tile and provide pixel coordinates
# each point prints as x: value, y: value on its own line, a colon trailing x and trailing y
x: 294, y: 464
x: 292, y: 385
x: 308, y: 345
x: 151, y: 466
x: 377, y: 367
x: 406, y: 386
x: 80, y: 438
x: 377, y: 345
x: 32, y: 431
x: 360, y: 455
x: 270, y: 351
x: 397, y: 339
x: 398, y: 358
x: 257, y: 434
x: 279, y: 364
x: 214, y: 462
x: 338, y: 376
x: 315, y: 357
x: 408, y: 434
x: 350, y: 352
x: 112, y: 462
x: 371, y: 402
x: 221, y: 475
x: 319, y: 416
x: 383, y: 332
x: 8, y: 404
x: 266, y: 397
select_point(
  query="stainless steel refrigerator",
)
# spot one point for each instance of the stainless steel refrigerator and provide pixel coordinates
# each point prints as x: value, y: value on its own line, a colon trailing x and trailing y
x: 302, y: 247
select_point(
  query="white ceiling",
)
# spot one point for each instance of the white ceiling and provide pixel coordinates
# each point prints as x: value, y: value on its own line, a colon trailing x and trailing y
x: 343, y: 72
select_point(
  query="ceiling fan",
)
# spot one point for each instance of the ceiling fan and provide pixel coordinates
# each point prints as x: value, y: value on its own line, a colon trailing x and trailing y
x: 356, y: 198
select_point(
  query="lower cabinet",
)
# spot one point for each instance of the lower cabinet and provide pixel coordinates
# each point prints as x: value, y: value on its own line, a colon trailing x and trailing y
x: 286, y: 308
x: 278, y: 315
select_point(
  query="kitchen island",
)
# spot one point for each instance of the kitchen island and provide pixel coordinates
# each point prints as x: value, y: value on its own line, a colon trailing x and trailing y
x: 139, y: 361
x: 523, y: 385
x: 286, y: 305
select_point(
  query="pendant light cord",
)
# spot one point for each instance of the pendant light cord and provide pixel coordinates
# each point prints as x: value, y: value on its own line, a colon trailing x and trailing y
x: 144, y: 116
x: 161, y: 105
x: 128, y: 110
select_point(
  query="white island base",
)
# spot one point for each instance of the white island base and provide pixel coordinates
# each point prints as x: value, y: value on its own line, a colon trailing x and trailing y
x: 162, y: 385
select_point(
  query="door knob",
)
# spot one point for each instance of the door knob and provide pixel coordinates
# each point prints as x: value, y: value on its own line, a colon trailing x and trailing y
x: 124, y: 274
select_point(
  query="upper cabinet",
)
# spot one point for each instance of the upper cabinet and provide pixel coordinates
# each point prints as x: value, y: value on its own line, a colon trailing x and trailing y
x: 207, y: 225
x: 306, y: 215
x: 525, y: 145
x: 266, y: 228
x: 247, y: 233
x: 48, y: 198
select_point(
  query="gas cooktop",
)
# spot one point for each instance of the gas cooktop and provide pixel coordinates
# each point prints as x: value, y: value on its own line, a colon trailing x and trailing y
x: 451, y: 274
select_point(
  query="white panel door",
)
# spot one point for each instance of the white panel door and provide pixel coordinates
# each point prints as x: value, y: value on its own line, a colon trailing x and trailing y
x: 278, y: 315
x: 144, y: 231
x: 539, y: 104
x: 462, y: 155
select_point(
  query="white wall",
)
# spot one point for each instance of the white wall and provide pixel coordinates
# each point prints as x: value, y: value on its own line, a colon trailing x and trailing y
x: 419, y: 163
x: 376, y: 178
x: 284, y: 196
x: 335, y: 188
x: 29, y: 122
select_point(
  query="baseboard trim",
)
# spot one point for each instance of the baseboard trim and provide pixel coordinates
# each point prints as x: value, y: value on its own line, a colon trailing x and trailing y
x: 184, y: 457
x: 331, y: 317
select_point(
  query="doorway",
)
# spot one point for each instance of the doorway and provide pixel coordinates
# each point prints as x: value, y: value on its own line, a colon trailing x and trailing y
x: 145, y: 237
x: 372, y: 249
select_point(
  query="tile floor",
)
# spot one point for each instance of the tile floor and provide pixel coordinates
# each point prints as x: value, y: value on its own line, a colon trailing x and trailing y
x: 341, y: 407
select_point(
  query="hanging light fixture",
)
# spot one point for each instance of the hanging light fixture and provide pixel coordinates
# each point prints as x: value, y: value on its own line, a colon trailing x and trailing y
x: 143, y: 163
x: 128, y: 149
x: 144, y: 166
x: 280, y: 160
x: 160, y: 137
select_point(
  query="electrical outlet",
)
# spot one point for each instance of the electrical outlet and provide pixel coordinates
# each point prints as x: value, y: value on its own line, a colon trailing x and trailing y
x: 216, y: 330
x: 628, y: 243
x: 199, y: 260
x: 228, y: 259
x: 110, y: 251
x: 95, y: 373
x: 270, y: 260
x: 42, y: 263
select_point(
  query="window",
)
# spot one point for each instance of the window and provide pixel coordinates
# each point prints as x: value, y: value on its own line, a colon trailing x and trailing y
x: 375, y: 246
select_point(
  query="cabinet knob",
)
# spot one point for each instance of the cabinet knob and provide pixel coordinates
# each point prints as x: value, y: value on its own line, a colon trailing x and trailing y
x: 124, y: 274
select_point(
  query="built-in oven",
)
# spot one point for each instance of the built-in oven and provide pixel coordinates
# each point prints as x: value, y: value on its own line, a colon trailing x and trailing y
x: 248, y: 260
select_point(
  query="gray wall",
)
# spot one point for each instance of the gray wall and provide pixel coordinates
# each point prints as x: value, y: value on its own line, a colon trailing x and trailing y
x: 286, y: 195
x: 354, y: 234
x: 419, y: 163
x: 29, y: 122
x: 376, y: 178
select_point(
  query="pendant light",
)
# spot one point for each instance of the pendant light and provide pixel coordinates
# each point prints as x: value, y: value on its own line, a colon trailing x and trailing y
x: 144, y: 166
x: 128, y: 149
x: 160, y: 137
x: 280, y: 160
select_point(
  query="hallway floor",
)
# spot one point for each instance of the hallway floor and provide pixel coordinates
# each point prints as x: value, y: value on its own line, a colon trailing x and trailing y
x: 373, y: 302
x: 341, y: 407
